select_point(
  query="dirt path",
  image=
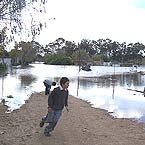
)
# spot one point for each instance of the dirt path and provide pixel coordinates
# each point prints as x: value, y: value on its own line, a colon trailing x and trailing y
x: 83, y: 125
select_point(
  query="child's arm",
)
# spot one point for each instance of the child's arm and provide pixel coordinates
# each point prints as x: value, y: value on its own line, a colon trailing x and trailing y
x: 66, y: 102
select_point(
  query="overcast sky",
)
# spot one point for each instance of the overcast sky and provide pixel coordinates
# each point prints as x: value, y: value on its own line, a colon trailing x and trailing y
x: 118, y: 20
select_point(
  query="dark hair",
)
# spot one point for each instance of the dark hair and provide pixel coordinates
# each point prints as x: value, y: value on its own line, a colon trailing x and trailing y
x: 63, y: 80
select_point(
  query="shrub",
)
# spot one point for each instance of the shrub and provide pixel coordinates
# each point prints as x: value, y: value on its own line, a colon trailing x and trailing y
x: 57, y: 59
x: 2, y: 68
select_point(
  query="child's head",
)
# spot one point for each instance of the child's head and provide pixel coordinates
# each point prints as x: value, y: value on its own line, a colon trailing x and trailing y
x: 53, y: 83
x: 64, y: 82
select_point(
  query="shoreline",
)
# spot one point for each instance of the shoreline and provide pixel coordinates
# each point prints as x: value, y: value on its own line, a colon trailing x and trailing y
x: 82, y: 125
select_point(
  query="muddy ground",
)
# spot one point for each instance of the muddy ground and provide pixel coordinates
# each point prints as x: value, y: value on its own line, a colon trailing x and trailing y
x: 82, y: 125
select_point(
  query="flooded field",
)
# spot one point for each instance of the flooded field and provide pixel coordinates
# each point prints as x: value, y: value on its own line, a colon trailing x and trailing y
x: 116, y: 89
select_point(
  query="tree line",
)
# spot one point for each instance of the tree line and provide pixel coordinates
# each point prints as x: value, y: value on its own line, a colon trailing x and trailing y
x: 64, y: 52
x: 60, y: 51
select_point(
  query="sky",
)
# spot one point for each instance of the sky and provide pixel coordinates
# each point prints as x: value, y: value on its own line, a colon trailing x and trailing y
x: 118, y: 20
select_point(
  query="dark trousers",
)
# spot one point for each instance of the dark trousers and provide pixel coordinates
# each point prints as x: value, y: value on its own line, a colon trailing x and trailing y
x: 47, y: 90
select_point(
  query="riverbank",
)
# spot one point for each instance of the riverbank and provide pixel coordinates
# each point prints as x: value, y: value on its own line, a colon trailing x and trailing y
x: 82, y: 125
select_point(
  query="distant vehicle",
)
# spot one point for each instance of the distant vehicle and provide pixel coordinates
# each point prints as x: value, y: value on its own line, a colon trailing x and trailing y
x: 86, y: 68
x: 134, y: 68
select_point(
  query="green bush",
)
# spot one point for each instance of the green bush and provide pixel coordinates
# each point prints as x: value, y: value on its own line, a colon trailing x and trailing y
x: 57, y: 59
x: 2, y: 68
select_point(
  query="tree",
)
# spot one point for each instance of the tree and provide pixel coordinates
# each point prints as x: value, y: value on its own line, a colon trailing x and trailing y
x: 12, y: 15
x: 95, y: 49
x: 85, y: 45
x: 137, y: 52
x: 15, y: 55
x: 3, y: 42
x: 27, y: 52
x: 123, y: 52
x: 114, y: 52
x: 55, y: 46
x: 39, y: 50
x: 81, y: 57
x: 103, y: 46
x: 69, y: 48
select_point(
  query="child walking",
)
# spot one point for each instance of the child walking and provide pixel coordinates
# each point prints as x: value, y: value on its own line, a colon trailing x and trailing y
x: 57, y: 99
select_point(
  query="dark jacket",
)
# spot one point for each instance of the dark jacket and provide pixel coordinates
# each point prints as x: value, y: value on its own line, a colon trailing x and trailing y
x: 58, y: 98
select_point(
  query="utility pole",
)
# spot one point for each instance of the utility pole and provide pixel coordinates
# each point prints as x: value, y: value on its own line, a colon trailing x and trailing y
x: 79, y: 57
x: 79, y: 69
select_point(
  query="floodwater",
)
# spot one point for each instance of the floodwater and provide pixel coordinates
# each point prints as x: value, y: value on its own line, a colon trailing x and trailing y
x: 109, y: 88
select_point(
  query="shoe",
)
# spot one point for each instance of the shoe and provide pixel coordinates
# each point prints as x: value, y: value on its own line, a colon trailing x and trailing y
x: 47, y: 134
x: 41, y: 123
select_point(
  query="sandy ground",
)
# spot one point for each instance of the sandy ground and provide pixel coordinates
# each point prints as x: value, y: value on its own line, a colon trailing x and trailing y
x: 83, y: 125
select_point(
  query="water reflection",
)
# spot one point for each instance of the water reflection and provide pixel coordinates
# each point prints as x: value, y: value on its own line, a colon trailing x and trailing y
x: 26, y: 80
x: 102, y: 87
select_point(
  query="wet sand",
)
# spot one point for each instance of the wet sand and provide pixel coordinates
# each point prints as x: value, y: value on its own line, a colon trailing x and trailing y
x: 82, y: 125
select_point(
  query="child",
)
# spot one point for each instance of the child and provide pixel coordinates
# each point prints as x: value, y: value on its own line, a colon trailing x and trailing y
x: 48, y: 85
x: 57, y: 99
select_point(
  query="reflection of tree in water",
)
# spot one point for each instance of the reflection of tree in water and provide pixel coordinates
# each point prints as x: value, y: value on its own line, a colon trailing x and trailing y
x: 78, y: 86
x: 101, y: 81
x: 15, y: 70
x: 26, y: 80
x: 130, y: 79
x: 115, y: 80
x: 84, y: 83
x: 136, y: 79
x: 2, y: 89
x: 3, y: 74
x: 107, y: 81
